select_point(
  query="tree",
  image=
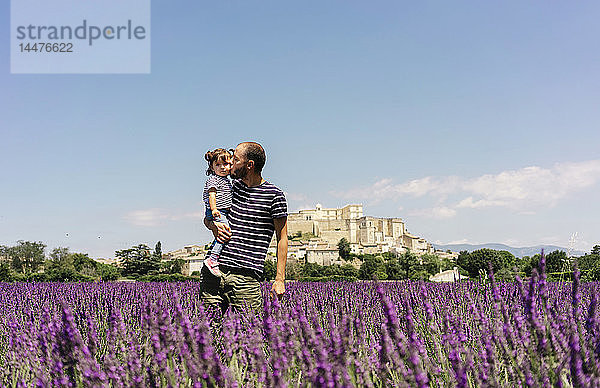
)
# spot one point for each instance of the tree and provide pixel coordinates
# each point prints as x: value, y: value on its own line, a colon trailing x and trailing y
x: 596, y: 250
x: 372, y: 266
x: 26, y: 257
x: 158, y: 251
x: 59, y: 257
x: 270, y: 271
x: 5, y: 273
x: 508, y: 259
x: 312, y: 270
x: 393, y: 270
x: 480, y: 260
x: 531, y: 264
x: 407, y: 260
x: 555, y: 261
x: 344, y: 249
x: 108, y: 272
x: 349, y: 270
x: 432, y: 263
x: 138, y: 260
x: 588, y: 262
x: 174, y: 266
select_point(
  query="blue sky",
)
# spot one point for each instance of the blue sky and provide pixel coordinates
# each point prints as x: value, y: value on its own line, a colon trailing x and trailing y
x: 472, y: 121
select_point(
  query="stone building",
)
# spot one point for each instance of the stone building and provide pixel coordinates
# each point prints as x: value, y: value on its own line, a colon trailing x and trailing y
x: 451, y: 275
x: 192, y: 256
x: 365, y: 234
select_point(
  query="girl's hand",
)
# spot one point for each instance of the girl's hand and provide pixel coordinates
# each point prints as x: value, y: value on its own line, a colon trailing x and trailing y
x: 216, y: 214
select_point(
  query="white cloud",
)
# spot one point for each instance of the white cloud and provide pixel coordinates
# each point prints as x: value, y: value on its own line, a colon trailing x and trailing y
x: 520, y: 190
x: 385, y: 188
x: 469, y: 202
x: 156, y: 216
x: 533, y: 186
x: 296, y: 197
x: 438, y: 212
x: 147, y: 217
x: 462, y: 241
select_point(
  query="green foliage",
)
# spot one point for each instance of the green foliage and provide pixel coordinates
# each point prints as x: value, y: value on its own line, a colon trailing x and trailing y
x: 62, y: 274
x: 138, y: 261
x: 344, y: 249
x: 372, y: 266
x: 312, y: 272
x: 166, y: 278
x: 529, y: 263
x: 434, y: 264
x: 108, y: 272
x: 36, y: 277
x: 83, y: 263
x: 61, y: 266
x: 393, y: 270
x: 507, y: 259
x: 588, y: 261
x: 589, y: 265
x: 299, y: 236
x: 556, y: 260
x: 505, y: 275
x: 158, y: 250
x: 26, y: 257
x: 349, y: 271
x: 293, y: 271
x: 66, y: 266
x: 481, y: 259
x: 596, y: 250
x: 409, y: 262
x: 60, y: 257
x: 270, y: 270
x: 5, y: 272
x: 174, y: 266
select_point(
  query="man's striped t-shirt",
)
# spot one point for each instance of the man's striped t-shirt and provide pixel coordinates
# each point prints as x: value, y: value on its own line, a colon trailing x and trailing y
x: 251, y: 221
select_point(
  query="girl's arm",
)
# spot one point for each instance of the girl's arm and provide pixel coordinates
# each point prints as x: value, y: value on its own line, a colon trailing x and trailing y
x: 212, y: 201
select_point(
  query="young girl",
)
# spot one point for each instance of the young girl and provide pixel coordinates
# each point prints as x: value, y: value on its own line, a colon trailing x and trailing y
x: 217, y: 199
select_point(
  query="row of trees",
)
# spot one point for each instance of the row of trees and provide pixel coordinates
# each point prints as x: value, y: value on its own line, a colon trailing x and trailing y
x: 387, y: 266
x: 505, y: 265
x: 472, y: 264
x: 27, y: 261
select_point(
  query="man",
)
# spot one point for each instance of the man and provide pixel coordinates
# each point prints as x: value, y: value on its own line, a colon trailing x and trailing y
x: 258, y: 209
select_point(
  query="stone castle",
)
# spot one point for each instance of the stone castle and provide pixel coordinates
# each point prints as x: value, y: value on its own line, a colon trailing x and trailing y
x: 364, y: 233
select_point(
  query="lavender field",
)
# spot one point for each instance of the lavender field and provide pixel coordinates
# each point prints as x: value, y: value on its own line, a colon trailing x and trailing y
x: 319, y: 334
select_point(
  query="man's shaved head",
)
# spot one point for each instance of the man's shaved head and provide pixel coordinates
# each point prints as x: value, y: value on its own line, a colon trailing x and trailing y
x: 255, y: 152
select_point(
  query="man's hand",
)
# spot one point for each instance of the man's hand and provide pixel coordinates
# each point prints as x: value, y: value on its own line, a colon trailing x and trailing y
x: 219, y: 230
x: 278, y: 288
x: 222, y: 232
x: 216, y: 214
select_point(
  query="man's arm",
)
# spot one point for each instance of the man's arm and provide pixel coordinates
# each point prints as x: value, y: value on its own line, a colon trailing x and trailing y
x: 282, y: 248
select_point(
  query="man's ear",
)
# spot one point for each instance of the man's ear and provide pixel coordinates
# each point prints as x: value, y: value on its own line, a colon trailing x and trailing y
x: 251, y: 164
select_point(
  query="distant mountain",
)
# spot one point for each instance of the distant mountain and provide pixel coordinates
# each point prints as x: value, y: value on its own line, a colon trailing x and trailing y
x: 518, y: 252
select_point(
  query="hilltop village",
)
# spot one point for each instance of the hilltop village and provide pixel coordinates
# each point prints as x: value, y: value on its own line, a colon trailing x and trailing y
x: 315, y: 234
